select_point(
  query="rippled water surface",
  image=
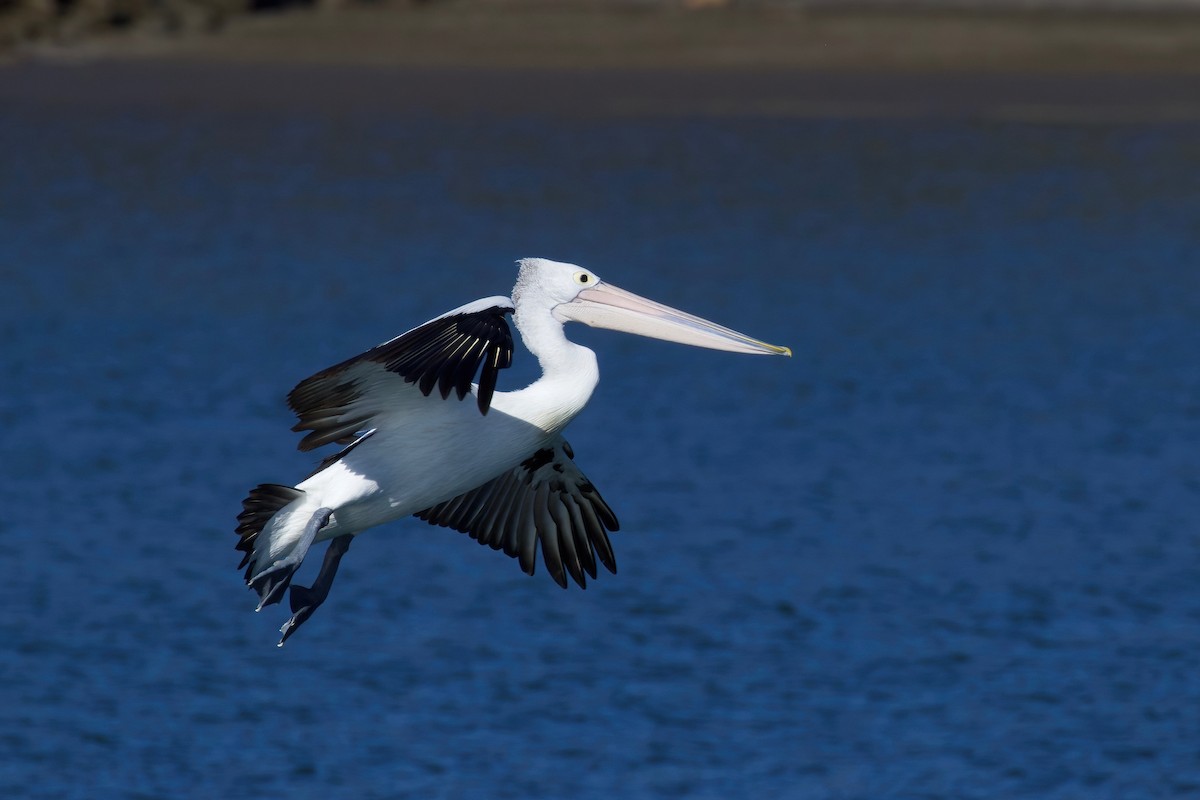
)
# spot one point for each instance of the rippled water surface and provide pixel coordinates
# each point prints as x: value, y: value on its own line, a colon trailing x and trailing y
x: 950, y: 550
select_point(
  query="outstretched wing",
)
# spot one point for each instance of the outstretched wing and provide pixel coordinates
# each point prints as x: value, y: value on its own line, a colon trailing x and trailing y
x: 544, y: 499
x: 446, y: 352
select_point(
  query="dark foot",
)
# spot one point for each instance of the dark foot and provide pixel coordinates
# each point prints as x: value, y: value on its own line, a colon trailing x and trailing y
x: 306, y: 599
x: 273, y: 581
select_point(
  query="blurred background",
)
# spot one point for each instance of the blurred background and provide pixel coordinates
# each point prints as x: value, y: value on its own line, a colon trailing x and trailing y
x: 949, y: 550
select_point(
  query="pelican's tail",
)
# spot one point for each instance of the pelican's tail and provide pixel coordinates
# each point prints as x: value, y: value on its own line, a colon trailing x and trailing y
x: 273, y: 533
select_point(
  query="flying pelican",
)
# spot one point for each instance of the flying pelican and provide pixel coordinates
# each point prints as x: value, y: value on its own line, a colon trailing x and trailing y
x: 508, y: 478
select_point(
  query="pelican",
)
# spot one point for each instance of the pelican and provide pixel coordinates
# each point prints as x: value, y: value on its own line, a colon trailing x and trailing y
x: 497, y: 468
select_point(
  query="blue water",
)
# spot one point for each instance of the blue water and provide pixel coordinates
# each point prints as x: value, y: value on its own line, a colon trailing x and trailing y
x: 949, y: 550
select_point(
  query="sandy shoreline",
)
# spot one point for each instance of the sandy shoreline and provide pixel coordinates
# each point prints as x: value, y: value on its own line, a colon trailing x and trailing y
x: 540, y: 35
x: 357, y: 89
x: 476, y: 56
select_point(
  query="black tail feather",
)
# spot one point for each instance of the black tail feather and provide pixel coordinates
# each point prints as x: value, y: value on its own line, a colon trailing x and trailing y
x: 263, y: 502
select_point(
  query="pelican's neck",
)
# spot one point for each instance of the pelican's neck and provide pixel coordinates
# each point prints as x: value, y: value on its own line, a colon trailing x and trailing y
x: 569, y: 372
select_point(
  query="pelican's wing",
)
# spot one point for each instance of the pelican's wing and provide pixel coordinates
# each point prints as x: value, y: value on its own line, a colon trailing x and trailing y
x: 544, y: 499
x: 446, y: 352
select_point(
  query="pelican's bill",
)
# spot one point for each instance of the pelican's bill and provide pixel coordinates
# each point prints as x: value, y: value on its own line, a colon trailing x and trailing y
x: 608, y: 306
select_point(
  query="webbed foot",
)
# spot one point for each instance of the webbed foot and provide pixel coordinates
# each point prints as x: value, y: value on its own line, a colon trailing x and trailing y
x: 273, y: 581
x: 307, y: 599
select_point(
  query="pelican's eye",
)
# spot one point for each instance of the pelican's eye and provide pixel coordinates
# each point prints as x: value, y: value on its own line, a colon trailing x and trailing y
x: 583, y: 279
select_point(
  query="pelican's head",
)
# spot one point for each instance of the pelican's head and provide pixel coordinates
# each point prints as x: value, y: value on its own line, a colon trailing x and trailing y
x: 575, y: 294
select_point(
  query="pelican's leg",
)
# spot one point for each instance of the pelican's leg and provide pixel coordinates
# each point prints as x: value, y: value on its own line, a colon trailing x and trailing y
x: 273, y: 581
x: 306, y: 599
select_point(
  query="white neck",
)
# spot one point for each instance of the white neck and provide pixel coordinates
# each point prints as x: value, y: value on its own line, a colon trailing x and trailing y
x: 569, y: 374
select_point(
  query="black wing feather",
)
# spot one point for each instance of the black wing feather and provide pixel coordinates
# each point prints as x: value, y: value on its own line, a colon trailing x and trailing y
x: 545, y: 500
x: 497, y: 360
x: 449, y: 350
x: 445, y: 353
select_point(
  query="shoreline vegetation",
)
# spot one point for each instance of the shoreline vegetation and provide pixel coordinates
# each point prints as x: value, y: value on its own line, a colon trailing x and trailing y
x: 951, y: 35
